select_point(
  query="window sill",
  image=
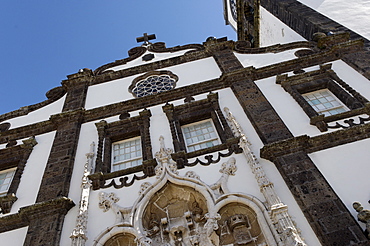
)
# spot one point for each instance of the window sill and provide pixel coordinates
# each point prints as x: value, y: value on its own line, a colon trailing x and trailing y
x: 99, y: 179
x: 182, y: 157
x: 321, y: 122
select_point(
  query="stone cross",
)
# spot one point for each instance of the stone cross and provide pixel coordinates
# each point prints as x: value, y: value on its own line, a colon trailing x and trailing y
x: 145, y: 38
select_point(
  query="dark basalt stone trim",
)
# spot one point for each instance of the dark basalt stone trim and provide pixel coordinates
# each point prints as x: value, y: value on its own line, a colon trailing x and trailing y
x: 99, y: 179
x: 12, y: 157
x: 58, y: 171
x: 182, y: 157
x: 317, y: 143
x: 327, y: 55
x: 160, y: 47
x: 196, y: 111
x: 35, y: 212
x: 113, y: 75
x: 26, y: 131
x: 210, y: 47
x: 136, y: 52
x: 324, y: 78
x: 102, y: 181
x: 307, y: 21
x: 242, y: 47
x: 52, y: 95
x: 309, y: 187
x: 109, y: 133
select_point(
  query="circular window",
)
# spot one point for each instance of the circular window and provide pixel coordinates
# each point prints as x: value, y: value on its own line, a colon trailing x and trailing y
x: 153, y: 83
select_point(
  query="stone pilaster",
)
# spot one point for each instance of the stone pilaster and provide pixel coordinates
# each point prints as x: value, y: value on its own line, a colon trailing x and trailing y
x: 45, y: 227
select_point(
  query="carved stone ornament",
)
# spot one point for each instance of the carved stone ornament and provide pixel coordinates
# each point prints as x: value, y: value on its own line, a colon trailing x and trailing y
x: 78, y: 234
x: 363, y: 216
x: 184, y: 211
x: 284, y: 225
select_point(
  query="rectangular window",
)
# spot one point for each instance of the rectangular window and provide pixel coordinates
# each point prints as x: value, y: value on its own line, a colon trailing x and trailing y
x: 200, y: 135
x: 324, y: 102
x: 6, y: 178
x: 126, y: 154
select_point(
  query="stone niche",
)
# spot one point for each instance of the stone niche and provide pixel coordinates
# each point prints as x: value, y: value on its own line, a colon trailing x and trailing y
x: 238, y: 226
x: 122, y: 239
x: 175, y: 216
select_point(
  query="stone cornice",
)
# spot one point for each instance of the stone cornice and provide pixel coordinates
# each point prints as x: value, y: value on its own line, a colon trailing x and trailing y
x: 26, y: 214
x: 331, y: 53
x: 313, y: 144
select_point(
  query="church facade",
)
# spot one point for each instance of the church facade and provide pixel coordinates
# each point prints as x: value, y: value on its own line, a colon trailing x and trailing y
x: 260, y: 141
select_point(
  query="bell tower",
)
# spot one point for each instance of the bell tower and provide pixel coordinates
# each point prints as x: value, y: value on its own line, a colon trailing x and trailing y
x: 244, y: 17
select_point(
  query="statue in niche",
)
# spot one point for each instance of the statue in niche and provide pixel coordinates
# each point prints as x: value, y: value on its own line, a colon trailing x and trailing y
x: 177, y: 216
x: 153, y: 225
x: 236, y: 230
x: 197, y: 212
x: 240, y: 229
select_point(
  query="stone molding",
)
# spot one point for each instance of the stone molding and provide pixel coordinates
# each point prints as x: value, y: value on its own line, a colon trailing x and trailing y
x: 313, y: 144
x: 14, y: 157
x: 129, y: 127
x: 192, y: 112
x: 324, y: 78
x: 33, y: 212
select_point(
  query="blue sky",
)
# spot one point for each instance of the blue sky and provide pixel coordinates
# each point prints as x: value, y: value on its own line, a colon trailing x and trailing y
x: 43, y: 41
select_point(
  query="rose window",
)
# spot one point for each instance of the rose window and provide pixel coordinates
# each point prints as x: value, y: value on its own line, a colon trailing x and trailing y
x: 153, y: 84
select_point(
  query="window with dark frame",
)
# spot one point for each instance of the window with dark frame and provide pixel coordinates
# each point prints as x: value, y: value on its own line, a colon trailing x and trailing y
x: 204, y: 115
x: 13, y: 160
x: 323, y: 96
x: 124, y: 146
x: 6, y: 178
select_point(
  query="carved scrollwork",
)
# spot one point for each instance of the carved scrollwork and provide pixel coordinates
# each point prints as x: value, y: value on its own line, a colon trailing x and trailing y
x: 210, y: 159
x: 144, y: 187
x: 123, y: 182
x: 133, y: 54
x: 350, y: 123
x: 160, y: 47
x: 192, y: 174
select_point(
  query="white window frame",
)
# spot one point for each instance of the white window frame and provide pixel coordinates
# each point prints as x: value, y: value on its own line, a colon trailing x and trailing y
x: 131, y: 162
x: 215, y: 138
x: 325, y: 111
x: 6, y: 185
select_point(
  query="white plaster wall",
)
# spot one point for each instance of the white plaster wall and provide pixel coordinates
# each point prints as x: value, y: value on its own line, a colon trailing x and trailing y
x: 32, y: 175
x: 352, y: 14
x: 265, y: 59
x: 346, y: 168
x: 273, y: 31
x: 14, y: 237
x: 38, y: 115
x: 157, y: 57
x: 117, y: 90
x: 352, y: 77
x: 243, y: 181
x: 287, y: 108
